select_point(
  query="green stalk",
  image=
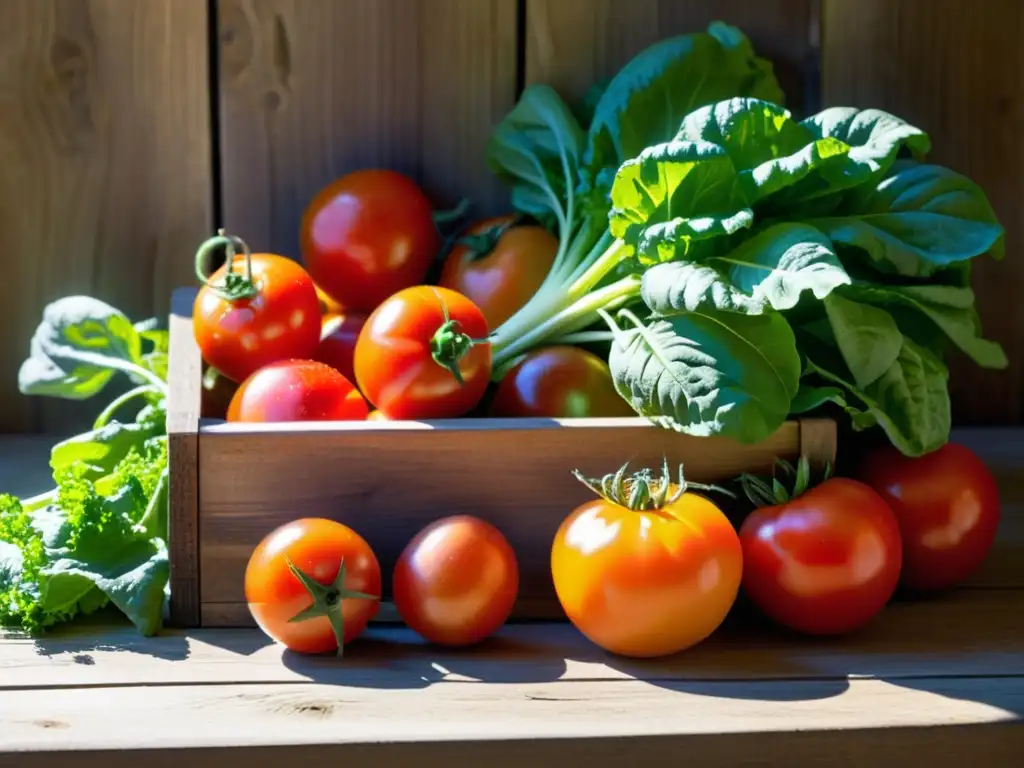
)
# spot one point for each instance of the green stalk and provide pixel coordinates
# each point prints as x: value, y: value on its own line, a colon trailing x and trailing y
x: 568, y: 316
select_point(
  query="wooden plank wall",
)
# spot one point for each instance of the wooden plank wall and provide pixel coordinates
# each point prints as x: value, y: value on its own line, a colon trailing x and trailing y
x: 122, y: 146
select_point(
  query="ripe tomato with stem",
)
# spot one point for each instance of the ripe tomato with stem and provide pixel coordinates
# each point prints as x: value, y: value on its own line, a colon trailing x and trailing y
x: 822, y: 560
x: 313, y: 585
x: 256, y: 309
x: 424, y: 354
x: 648, y: 568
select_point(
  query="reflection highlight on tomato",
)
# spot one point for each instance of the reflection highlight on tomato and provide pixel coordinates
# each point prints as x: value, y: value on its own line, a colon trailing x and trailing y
x: 423, y: 354
x: 338, y: 341
x: 456, y: 581
x: 297, y: 390
x: 255, y: 309
x: 559, y: 382
x: 947, y: 506
x: 649, y: 568
x: 499, y: 265
x: 313, y: 585
x: 367, y: 235
x: 821, y: 560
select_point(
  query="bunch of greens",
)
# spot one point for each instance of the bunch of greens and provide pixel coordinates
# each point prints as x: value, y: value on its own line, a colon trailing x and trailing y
x: 100, y: 535
x: 758, y: 266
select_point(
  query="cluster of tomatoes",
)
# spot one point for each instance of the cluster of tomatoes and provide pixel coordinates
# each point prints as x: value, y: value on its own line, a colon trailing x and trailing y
x: 362, y: 328
x: 652, y: 566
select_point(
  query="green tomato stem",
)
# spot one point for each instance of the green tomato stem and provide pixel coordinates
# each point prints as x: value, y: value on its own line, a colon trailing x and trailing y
x: 236, y: 287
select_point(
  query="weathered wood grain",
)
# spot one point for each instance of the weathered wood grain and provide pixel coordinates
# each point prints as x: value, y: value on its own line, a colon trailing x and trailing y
x: 312, y: 90
x: 185, y: 369
x: 931, y: 681
x: 908, y: 640
x: 571, y: 44
x: 105, y: 187
x: 954, y: 68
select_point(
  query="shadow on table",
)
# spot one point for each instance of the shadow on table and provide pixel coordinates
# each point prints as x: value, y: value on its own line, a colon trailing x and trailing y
x: 108, y: 631
x: 397, y: 658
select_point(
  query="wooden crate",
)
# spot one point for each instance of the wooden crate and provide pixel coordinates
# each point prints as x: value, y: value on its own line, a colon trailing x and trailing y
x: 231, y: 484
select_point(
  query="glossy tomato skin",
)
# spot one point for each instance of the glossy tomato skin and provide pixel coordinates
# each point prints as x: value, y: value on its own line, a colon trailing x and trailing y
x: 947, y: 506
x: 282, y: 321
x: 456, y: 581
x: 297, y: 390
x: 559, y: 382
x: 368, y: 235
x: 315, y: 546
x: 376, y: 415
x: 647, y: 583
x: 393, y: 362
x: 503, y: 279
x: 338, y: 341
x: 825, y: 563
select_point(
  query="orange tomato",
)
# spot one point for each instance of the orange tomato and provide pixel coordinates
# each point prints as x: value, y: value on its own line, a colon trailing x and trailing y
x: 499, y: 266
x: 456, y: 581
x: 646, y: 572
x: 335, y: 584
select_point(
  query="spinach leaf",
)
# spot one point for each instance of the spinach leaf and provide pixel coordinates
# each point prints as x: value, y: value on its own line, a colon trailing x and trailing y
x: 867, y: 337
x: 875, y: 137
x: 771, y: 269
x: 536, y: 148
x: 910, y: 401
x: 647, y: 99
x: 949, y: 309
x: 916, y: 221
x: 683, y: 286
x: 709, y: 372
x: 675, y: 195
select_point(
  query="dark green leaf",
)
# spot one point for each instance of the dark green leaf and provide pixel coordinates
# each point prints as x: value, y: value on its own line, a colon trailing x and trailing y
x: 710, y: 372
x: 77, y: 348
x: 918, y: 220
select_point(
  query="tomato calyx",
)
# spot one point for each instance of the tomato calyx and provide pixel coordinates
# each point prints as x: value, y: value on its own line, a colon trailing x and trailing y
x: 480, y: 245
x: 641, y: 491
x: 450, y: 343
x: 761, y: 493
x: 236, y: 286
x: 327, y: 600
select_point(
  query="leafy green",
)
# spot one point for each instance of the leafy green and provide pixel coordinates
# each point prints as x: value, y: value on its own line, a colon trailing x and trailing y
x: 787, y: 265
x: 100, y: 535
x: 917, y: 220
x: 709, y: 372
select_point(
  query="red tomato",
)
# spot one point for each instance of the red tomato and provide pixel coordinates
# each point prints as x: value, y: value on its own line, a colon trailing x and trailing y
x: 409, y: 350
x: 456, y: 581
x: 245, y: 321
x: 338, y: 341
x: 336, y: 583
x: 499, y: 266
x: 947, y: 506
x: 825, y: 562
x: 367, y: 235
x: 297, y: 390
x: 559, y: 382
x: 650, y: 580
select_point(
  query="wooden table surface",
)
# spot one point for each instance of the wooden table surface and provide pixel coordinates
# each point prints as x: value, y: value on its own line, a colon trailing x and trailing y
x: 938, y: 683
